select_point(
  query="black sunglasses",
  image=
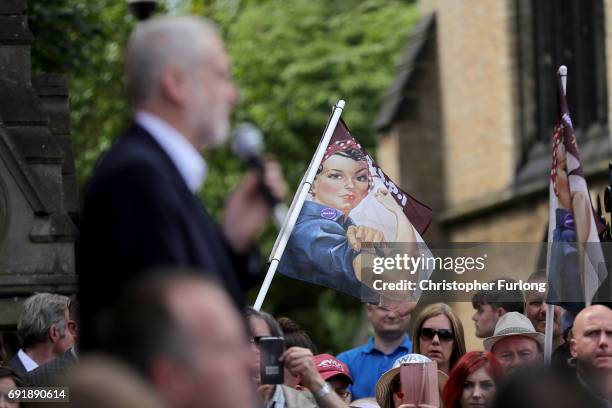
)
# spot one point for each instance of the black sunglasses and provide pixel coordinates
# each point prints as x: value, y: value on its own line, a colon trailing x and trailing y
x: 255, y: 340
x: 443, y: 334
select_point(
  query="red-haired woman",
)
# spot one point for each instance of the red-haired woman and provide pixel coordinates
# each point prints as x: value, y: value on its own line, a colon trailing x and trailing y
x: 473, y: 381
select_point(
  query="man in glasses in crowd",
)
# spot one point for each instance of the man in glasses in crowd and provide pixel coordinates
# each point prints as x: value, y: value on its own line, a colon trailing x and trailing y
x: 536, y: 309
x: 390, y: 341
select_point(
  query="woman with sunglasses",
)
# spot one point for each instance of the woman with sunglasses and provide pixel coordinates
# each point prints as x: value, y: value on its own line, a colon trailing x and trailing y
x: 474, y: 381
x: 438, y: 334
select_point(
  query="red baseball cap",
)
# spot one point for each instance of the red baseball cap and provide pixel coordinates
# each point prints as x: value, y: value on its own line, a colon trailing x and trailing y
x: 329, y: 366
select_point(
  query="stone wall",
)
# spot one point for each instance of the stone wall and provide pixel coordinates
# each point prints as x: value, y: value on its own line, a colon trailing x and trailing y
x: 38, y: 194
x: 476, y: 79
x: 410, y: 148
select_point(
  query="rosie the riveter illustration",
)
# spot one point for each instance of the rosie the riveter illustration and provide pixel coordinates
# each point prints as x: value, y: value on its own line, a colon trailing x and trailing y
x: 326, y: 244
x: 574, y: 258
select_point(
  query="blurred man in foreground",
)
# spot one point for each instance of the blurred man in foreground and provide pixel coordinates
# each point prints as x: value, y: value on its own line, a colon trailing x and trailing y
x: 184, y: 335
x: 141, y: 209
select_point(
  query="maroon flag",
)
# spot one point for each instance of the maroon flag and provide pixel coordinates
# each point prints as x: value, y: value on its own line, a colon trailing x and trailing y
x: 418, y: 213
x: 575, y: 261
x: 351, y: 200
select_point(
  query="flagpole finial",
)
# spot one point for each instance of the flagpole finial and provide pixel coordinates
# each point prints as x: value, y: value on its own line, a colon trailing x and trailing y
x: 563, y: 74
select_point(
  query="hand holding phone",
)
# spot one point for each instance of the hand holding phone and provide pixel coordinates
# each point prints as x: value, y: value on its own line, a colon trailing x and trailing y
x: 271, y: 368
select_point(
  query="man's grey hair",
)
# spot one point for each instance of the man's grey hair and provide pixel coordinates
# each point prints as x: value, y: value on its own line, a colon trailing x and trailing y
x: 184, y: 41
x: 40, y: 312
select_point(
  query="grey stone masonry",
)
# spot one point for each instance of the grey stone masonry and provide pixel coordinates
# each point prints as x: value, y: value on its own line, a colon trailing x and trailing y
x: 38, y: 191
x: 12, y: 7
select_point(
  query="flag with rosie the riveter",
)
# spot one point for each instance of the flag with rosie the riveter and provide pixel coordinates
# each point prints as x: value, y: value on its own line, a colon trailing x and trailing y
x: 353, y: 208
x: 576, y: 265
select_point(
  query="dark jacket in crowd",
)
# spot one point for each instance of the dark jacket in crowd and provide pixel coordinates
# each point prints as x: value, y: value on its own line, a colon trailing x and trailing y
x: 49, y: 374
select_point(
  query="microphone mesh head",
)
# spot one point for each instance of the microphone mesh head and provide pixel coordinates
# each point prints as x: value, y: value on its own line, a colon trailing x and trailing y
x: 247, y: 141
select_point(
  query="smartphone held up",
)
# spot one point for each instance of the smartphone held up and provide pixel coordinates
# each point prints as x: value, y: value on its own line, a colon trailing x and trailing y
x: 271, y: 368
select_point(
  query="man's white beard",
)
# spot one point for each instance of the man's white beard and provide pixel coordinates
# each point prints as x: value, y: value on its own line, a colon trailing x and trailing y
x: 208, y: 132
x: 220, y: 133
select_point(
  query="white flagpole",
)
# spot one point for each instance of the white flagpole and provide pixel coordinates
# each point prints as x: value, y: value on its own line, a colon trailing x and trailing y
x: 296, y: 205
x: 563, y: 74
x: 550, y: 309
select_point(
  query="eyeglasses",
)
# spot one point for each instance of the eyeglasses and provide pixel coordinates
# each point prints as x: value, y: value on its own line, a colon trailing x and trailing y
x: 342, y: 392
x: 256, y: 339
x: 443, y: 334
x: 382, y: 308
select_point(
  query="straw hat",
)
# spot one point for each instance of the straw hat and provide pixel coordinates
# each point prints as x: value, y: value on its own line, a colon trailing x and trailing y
x: 383, y: 386
x: 364, y: 403
x: 513, y: 324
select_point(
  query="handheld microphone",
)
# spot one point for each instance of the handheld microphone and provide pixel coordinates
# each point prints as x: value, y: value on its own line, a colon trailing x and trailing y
x: 247, y: 144
x: 142, y: 9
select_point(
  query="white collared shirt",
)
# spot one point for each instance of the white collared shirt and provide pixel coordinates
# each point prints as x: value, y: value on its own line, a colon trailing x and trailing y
x: 27, y: 362
x: 189, y: 162
x: 278, y: 398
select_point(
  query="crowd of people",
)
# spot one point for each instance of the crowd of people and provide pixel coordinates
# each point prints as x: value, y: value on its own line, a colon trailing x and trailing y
x: 175, y: 339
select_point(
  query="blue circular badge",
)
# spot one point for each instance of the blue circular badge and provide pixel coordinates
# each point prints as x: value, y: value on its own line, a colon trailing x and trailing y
x: 568, y: 221
x: 328, y: 213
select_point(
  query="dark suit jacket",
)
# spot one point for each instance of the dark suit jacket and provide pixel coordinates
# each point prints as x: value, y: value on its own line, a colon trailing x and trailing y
x: 139, y: 213
x: 48, y: 374
x: 16, y: 364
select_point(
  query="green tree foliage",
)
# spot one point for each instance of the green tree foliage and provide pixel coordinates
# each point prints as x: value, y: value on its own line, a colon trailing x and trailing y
x: 85, y: 41
x: 292, y: 61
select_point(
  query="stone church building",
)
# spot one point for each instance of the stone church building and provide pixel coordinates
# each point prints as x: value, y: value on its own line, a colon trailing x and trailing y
x: 38, y: 190
x: 466, y: 125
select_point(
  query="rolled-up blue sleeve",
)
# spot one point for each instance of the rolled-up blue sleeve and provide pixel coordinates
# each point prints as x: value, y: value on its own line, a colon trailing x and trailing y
x: 564, y: 276
x: 319, y: 252
x: 326, y: 246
